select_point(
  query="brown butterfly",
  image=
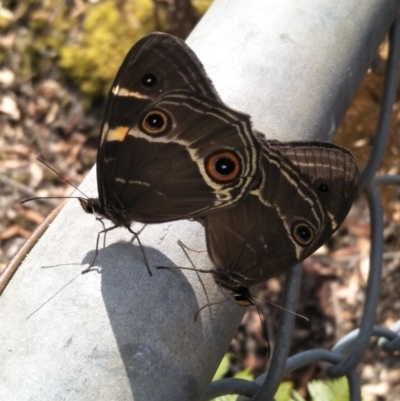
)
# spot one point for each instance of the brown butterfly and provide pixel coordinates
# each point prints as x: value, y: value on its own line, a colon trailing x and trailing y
x: 169, y: 148
x: 306, y: 191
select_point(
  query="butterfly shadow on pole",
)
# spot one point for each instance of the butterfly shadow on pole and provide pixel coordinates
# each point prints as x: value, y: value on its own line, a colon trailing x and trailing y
x: 156, y: 339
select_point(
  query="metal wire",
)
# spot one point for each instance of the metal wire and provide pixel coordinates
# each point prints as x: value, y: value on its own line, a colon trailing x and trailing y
x: 373, y: 286
x: 283, y: 337
x: 347, y: 353
x: 389, y: 97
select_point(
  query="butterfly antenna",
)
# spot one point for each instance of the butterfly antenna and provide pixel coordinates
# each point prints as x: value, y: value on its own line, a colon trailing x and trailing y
x: 282, y: 308
x: 63, y: 178
x: 264, y: 328
x: 49, y: 197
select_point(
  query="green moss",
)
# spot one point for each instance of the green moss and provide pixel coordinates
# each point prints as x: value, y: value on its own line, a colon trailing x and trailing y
x: 88, y: 44
x: 201, y: 6
x: 41, y: 30
x: 108, y: 33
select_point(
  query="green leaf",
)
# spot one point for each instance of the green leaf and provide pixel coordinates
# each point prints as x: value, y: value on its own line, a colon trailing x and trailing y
x: 231, y: 397
x: 246, y: 374
x: 329, y: 390
x: 223, y: 367
x: 223, y: 370
x: 284, y: 391
x: 295, y: 396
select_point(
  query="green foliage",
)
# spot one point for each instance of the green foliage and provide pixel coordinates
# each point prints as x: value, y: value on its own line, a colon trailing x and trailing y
x: 38, y: 28
x: 329, y: 390
x: 108, y: 33
x: 223, y: 370
x: 223, y: 367
x: 87, y: 40
x: 284, y: 392
x: 319, y: 390
x: 326, y: 390
x: 201, y: 6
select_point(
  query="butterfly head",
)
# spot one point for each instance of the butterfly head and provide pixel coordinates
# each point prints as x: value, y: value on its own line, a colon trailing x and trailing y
x: 91, y: 205
x: 242, y: 296
x: 231, y: 281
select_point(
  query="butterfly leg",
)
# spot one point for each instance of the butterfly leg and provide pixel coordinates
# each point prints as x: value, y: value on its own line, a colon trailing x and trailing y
x: 142, y: 249
x: 105, y: 231
x: 193, y: 268
x: 182, y: 245
x: 209, y: 304
x: 100, y: 219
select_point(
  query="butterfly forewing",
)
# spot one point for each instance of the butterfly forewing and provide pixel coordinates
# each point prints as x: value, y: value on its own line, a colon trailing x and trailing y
x: 165, y: 176
x: 155, y: 177
x: 155, y: 65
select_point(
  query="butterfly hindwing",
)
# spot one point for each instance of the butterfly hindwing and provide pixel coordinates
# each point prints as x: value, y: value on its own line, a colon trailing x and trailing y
x: 287, y: 217
x: 332, y: 172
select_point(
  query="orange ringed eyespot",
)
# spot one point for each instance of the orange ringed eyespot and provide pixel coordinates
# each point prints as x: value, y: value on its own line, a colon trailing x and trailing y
x: 223, y: 166
x: 302, y: 233
x: 155, y: 122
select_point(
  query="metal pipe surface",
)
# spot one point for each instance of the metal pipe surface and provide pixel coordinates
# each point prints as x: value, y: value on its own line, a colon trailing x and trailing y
x: 117, y: 333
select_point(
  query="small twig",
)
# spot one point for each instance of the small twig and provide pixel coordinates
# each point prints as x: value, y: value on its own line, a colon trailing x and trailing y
x: 12, y: 267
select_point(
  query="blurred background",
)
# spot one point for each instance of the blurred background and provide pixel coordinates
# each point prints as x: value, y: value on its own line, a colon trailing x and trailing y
x: 57, y: 62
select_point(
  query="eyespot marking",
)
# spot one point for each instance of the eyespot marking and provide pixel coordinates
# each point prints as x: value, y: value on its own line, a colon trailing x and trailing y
x: 149, y: 80
x: 323, y: 187
x: 302, y: 233
x: 223, y: 166
x: 155, y: 122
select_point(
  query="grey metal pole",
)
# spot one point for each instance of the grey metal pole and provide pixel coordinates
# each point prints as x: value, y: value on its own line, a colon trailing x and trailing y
x: 119, y: 334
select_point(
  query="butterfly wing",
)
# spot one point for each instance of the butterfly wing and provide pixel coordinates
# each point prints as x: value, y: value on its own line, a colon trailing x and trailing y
x: 285, y: 219
x: 332, y: 172
x: 155, y: 65
x: 188, y: 155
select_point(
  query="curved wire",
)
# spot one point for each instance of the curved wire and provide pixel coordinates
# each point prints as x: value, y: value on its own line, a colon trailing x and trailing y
x: 389, y: 97
x: 231, y: 386
x: 373, y: 286
x: 283, y: 337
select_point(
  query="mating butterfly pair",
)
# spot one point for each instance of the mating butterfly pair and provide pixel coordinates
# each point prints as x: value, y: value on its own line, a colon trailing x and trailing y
x: 170, y: 150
